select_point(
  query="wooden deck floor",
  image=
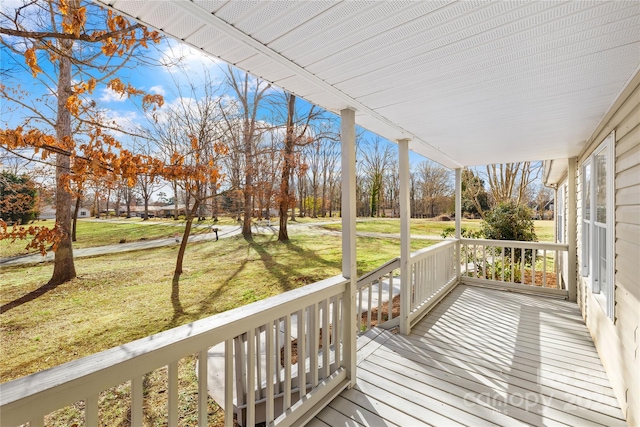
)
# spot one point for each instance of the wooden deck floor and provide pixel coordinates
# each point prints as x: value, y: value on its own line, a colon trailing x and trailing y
x: 481, y: 357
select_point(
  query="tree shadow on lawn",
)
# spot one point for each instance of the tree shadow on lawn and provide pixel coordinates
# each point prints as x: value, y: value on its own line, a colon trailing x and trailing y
x: 36, y: 293
x: 287, y: 276
x: 181, y: 316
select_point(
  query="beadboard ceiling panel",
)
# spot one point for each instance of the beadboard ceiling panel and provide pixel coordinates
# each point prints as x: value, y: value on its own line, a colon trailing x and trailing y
x: 472, y: 82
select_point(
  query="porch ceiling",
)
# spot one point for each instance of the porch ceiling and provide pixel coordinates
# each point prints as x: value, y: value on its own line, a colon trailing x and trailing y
x: 469, y: 83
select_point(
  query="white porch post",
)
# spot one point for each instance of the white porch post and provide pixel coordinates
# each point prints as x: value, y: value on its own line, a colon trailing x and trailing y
x: 405, y: 238
x: 458, y: 218
x: 349, y: 270
x: 572, y: 232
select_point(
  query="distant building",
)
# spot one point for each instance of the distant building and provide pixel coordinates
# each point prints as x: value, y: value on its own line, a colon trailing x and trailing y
x: 156, y: 211
x: 49, y: 212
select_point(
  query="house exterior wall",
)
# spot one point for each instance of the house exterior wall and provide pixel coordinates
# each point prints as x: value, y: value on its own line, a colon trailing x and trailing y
x: 617, y: 338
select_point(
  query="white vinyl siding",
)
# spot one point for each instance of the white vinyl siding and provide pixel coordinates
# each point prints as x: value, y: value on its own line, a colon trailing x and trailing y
x: 617, y: 341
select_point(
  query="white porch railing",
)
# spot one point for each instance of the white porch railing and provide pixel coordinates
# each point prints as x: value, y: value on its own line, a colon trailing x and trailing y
x: 434, y: 273
x: 374, y: 295
x: 525, y: 266
x: 276, y: 390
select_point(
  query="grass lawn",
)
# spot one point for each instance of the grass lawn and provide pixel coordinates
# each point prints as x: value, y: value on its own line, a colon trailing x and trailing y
x: 122, y: 297
x: 418, y: 226
x: 544, y: 229
x: 306, y: 219
x: 109, y: 232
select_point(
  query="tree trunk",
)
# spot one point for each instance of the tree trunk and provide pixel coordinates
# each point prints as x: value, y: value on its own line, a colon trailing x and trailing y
x: 315, y: 198
x: 64, y: 268
x: 287, y: 167
x: 214, y: 200
x: 324, y: 193
x: 128, y: 202
x: 185, y: 239
x: 175, y: 283
x: 291, y: 193
x: 118, y: 200
x: 175, y: 200
x: 248, y: 183
x: 75, y: 219
x: 301, y: 207
x: 108, y: 197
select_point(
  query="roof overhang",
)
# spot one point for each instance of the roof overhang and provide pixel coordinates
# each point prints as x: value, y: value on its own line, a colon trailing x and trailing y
x: 468, y: 83
x: 554, y: 171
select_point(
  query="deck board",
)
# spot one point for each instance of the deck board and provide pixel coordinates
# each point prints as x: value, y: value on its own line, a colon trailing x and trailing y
x: 482, y: 357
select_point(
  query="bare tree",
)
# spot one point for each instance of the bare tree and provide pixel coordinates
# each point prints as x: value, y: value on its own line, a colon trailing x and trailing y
x: 295, y: 131
x: 376, y: 158
x: 147, y: 182
x: 510, y: 181
x: 473, y: 191
x: 190, y: 133
x: 250, y: 94
x: 435, y: 184
x: 329, y: 163
x: 392, y: 186
x: 268, y: 165
x: 314, y: 158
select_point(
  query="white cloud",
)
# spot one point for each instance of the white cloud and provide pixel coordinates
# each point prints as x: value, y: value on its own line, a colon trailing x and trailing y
x: 158, y: 89
x: 126, y: 120
x: 180, y: 58
x: 109, y: 95
x: 180, y: 104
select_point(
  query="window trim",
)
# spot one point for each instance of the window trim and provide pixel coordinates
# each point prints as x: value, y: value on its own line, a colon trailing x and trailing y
x: 560, y: 214
x: 586, y: 223
x: 604, y: 294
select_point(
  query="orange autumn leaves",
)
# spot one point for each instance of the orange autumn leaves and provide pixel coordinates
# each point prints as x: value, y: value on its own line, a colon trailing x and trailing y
x: 102, y: 157
x: 40, y: 236
x: 149, y: 101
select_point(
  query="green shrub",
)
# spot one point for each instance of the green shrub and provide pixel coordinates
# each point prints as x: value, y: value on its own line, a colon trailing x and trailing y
x: 464, y: 232
x: 17, y: 198
x: 510, y: 221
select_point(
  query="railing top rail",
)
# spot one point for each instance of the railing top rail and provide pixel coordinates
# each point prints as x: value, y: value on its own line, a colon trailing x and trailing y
x: 95, y: 373
x: 434, y: 248
x: 383, y: 269
x: 517, y: 244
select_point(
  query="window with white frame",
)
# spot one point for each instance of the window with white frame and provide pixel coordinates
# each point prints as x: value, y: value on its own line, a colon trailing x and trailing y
x: 598, y: 223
